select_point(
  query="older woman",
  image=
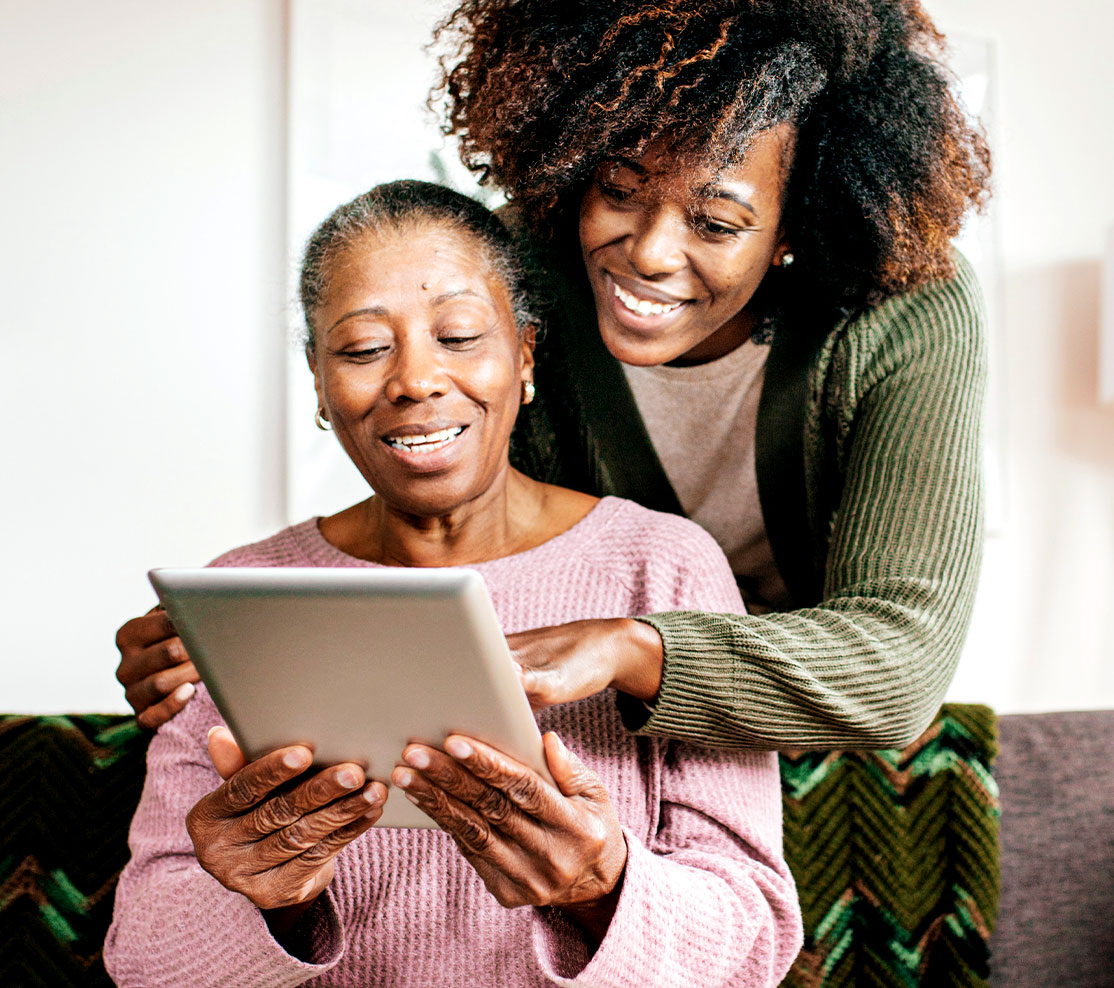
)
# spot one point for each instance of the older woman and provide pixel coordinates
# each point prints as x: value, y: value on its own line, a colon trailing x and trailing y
x: 743, y: 211
x: 649, y: 863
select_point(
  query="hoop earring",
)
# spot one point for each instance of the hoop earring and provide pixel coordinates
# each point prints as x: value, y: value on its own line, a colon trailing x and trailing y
x: 322, y: 423
x: 787, y: 259
x: 528, y: 392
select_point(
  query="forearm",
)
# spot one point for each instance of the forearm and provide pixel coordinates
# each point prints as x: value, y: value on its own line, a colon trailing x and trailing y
x: 858, y: 673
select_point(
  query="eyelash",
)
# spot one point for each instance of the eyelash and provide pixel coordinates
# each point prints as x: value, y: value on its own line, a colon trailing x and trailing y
x: 616, y: 193
x: 459, y: 342
x: 711, y: 228
x: 703, y: 225
x: 368, y: 354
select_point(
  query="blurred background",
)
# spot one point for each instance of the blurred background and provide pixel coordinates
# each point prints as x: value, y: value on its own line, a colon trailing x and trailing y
x: 161, y: 164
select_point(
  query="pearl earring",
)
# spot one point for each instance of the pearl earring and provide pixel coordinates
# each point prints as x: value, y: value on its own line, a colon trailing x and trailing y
x: 528, y: 392
x: 787, y: 258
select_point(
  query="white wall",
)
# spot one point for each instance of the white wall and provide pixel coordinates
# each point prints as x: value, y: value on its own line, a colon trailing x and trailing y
x: 142, y: 265
x: 142, y: 270
x: 1043, y: 634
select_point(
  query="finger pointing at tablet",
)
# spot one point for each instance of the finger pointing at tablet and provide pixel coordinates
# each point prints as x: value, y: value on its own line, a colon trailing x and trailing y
x: 530, y: 842
x: 272, y: 830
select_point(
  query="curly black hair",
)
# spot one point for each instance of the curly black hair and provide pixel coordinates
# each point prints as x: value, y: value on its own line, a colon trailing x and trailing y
x: 886, y: 163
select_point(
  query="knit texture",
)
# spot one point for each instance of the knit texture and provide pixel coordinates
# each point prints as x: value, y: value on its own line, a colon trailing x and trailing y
x: 896, y: 858
x: 892, y: 448
x: 705, y: 882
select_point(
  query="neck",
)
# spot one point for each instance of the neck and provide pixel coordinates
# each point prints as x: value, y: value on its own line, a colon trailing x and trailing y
x: 497, y: 523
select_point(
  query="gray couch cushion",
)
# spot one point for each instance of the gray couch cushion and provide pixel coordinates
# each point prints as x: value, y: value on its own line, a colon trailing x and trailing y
x: 1055, y: 928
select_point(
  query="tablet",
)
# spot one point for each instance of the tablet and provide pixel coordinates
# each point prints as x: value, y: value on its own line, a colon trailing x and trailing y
x: 355, y: 663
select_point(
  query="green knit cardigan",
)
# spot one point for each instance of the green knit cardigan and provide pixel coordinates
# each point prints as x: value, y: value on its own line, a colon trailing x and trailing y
x: 868, y: 453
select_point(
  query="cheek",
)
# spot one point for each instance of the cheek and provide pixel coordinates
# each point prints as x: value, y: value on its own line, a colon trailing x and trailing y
x: 733, y: 281
x: 349, y: 391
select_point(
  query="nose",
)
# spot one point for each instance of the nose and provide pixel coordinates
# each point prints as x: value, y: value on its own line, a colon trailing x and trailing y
x: 657, y: 244
x: 416, y: 373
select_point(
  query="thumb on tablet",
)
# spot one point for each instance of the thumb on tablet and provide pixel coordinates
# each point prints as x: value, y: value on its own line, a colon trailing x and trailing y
x: 572, y: 776
x: 225, y: 752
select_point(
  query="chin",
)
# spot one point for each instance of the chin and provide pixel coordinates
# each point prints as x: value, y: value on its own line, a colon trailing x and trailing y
x: 638, y: 351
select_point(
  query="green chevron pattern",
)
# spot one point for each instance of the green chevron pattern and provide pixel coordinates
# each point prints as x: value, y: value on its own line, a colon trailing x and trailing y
x: 70, y: 787
x: 895, y: 853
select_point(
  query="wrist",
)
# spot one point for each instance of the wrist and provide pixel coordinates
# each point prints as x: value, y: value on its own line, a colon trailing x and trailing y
x: 290, y: 926
x: 594, y: 916
x: 640, y: 656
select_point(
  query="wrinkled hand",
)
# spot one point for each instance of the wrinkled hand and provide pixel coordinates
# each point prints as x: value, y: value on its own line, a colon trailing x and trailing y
x: 154, y: 669
x: 531, y: 843
x: 273, y: 836
x: 577, y: 660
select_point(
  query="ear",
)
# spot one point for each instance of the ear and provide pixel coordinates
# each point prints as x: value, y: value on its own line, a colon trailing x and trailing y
x: 311, y: 359
x: 529, y: 339
x: 783, y: 248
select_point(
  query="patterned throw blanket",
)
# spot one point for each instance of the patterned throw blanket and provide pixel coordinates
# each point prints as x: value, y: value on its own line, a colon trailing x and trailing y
x: 895, y: 853
x: 896, y: 858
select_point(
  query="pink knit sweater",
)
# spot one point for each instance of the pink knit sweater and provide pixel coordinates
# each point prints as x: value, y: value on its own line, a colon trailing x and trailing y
x: 706, y: 898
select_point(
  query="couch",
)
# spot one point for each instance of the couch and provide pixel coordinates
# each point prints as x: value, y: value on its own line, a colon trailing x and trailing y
x: 981, y: 854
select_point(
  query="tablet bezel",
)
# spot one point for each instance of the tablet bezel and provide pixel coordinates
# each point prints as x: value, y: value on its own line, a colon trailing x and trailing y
x: 420, y: 650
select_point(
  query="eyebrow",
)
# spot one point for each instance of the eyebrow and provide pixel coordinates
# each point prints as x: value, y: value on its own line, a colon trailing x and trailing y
x: 630, y: 163
x: 709, y: 191
x: 382, y: 310
x: 371, y: 310
x: 713, y: 191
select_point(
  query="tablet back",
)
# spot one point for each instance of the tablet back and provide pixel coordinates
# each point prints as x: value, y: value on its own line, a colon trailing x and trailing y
x: 356, y: 663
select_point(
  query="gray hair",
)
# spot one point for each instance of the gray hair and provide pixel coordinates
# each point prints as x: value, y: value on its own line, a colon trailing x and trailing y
x: 393, y: 205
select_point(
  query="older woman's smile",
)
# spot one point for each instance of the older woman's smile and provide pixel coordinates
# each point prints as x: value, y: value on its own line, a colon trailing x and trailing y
x: 424, y: 442
x: 427, y: 449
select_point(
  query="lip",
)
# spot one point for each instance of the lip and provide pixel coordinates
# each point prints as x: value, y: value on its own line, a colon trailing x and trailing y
x: 409, y: 429
x: 639, y: 288
x: 426, y: 458
x: 636, y: 321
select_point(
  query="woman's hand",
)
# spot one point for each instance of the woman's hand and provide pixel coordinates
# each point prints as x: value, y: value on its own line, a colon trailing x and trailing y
x: 572, y: 661
x: 154, y: 669
x: 531, y: 843
x: 274, y: 837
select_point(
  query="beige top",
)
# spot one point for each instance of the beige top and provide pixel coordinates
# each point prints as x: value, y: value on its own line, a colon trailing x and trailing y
x: 701, y: 420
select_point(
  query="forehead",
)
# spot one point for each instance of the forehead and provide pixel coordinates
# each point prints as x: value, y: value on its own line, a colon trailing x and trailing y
x: 421, y: 251
x: 680, y: 173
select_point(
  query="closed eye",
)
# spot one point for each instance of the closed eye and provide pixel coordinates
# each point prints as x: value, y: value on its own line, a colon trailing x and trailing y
x: 616, y: 193
x: 361, y: 355
x: 459, y: 341
x: 708, y: 226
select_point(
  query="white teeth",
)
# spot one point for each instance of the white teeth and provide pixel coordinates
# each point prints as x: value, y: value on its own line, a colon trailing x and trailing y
x: 642, y: 306
x: 427, y: 443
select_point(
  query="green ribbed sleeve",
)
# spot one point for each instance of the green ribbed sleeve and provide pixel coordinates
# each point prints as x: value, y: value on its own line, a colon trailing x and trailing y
x: 893, y: 461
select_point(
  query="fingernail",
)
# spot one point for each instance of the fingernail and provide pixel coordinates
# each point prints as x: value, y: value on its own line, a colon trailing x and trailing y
x: 184, y: 692
x: 401, y: 778
x: 348, y: 778
x: 374, y: 795
x: 212, y: 731
x: 410, y: 796
x: 458, y: 748
x: 417, y: 758
x: 296, y: 758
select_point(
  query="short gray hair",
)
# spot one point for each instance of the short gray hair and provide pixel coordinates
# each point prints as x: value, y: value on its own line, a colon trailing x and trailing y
x: 393, y: 205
